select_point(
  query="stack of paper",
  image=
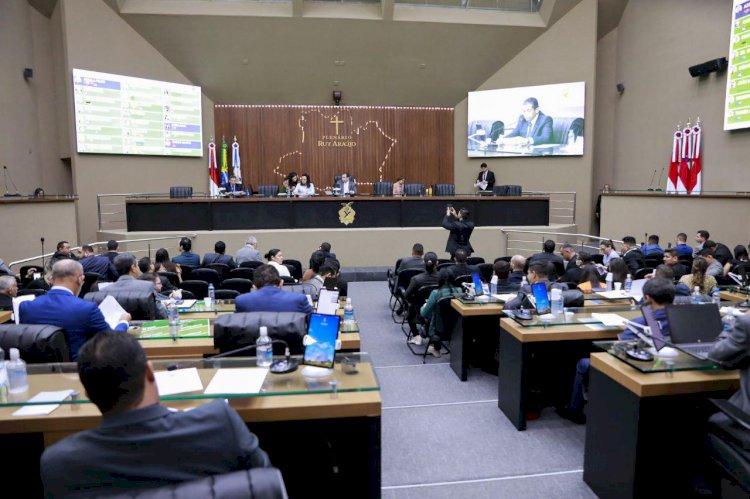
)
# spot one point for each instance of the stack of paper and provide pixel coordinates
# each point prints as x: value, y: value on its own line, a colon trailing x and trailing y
x: 42, y: 410
x: 111, y: 310
x: 609, y: 320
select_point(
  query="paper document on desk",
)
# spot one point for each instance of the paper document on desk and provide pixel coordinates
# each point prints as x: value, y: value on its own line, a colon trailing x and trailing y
x: 238, y: 381
x: 636, y: 291
x: 111, y: 310
x: 43, y: 410
x: 17, y: 303
x: 609, y: 320
x: 614, y: 294
x: 178, y: 381
x: 505, y: 297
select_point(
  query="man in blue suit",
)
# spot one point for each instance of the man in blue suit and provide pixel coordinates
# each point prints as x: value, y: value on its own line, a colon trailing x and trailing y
x: 268, y: 295
x: 61, y: 307
x: 533, y: 127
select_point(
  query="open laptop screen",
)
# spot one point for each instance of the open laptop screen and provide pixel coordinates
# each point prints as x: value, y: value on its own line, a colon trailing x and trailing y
x: 656, y: 335
x: 694, y: 323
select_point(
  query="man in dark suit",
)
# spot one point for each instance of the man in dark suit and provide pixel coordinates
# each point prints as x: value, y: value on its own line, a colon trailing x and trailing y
x: 672, y: 259
x: 112, y: 252
x: 460, y: 268
x: 234, y: 188
x: 485, y: 179
x: 218, y: 256
x: 269, y: 297
x: 539, y: 272
x: 461, y: 228
x: 139, y: 443
x: 517, y: 264
x: 8, y: 290
x: 97, y: 264
x: 569, y: 256
x: 187, y: 257
x: 721, y: 252
x: 346, y: 186
x: 64, y: 251
x: 61, y: 307
x: 732, y: 352
x: 533, y: 126
x: 413, y: 262
x: 547, y: 254
x: 129, y: 272
x: 631, y: 255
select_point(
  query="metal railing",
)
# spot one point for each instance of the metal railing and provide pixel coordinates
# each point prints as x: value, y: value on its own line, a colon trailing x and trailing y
x: 529, y: 242
x: 562, y: 206
x: 143, y: 248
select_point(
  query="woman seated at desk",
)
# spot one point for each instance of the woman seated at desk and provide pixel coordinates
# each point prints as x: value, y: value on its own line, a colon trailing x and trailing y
x: 276, y: 259
x: 290, y: 182
x: 398, y: 186
x: 305, y: 187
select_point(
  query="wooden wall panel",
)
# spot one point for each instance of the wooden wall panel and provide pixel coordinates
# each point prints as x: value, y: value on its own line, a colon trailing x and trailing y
x: 372, y: 143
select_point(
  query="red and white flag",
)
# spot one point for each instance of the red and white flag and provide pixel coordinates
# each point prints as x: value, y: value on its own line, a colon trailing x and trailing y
x: 213, y: 171
x: 684, y: 171
x: 674, y: 163
x: 695, y: 182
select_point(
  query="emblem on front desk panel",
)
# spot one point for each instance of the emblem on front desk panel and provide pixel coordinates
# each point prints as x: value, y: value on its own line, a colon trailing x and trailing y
x: 346, y: 213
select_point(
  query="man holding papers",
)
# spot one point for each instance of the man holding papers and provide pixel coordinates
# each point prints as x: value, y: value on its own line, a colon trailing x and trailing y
x: 140, y: 443
x: 61, y: 307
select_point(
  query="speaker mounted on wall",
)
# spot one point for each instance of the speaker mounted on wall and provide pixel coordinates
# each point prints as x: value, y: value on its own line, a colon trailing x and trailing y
x: 707, y: 67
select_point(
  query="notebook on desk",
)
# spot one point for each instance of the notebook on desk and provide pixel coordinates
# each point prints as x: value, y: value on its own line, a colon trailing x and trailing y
x: 694, y: 327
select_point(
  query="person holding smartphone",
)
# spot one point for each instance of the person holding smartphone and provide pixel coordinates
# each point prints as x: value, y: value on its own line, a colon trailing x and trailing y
x: 460, y: 227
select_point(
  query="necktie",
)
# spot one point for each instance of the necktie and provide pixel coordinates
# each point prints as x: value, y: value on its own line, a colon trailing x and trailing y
x: 528, y: 130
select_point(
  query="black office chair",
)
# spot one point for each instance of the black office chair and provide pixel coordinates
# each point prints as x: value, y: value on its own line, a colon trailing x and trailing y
x: 37, y: 343
x: 242, y: 273
x: 729, y: 447
x: 597, y: 258
x: 186, y: 272
x: 687, y: 261
x: 221, y: 268
x: 642, y: 273
x: 413, y: 315
x: 444, y: 190
x: 255, y: 483
x: 382, y: 189
x: 180, y: 192
x: 444, y: 264
x: 402, y: 282
x: 187, y: 295
x: 199, y: 289
x: 233, y: 331
x: 172, y: 277
x: 210, y: 276
x: 485, y: 271
x: 500, y: 190
x: 445, y: 317
x: 250, y: 264
x: 268, y: 191
x: 391, y: 277
x: 413, y: 189
x: 304, y: 288
x: 514, y: 190
x: 238, y: 284
x: 654, y: 260
x: 287, y: 279
x: 474, y: 260
x: 89, y: 278
x: 35, y: 292
x: 295, y: 268
x: 141, y: 305
x: 226, y: 294
x: 503, y: 258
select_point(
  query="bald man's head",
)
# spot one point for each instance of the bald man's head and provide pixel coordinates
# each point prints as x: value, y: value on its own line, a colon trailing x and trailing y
x: 68, y: 274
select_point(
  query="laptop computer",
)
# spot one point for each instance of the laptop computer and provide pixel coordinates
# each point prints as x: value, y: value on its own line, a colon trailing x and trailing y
x: 657, y: 338
x: 694, y: 327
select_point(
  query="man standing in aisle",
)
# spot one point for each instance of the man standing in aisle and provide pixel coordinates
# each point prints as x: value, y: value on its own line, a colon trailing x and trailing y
x: 485, y: 179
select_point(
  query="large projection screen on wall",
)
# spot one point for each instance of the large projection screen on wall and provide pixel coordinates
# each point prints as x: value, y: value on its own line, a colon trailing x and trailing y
x: 117, y: 114
x: 542, y: 120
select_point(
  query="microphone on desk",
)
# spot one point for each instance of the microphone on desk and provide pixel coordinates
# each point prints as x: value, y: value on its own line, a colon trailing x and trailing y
x: 651, y: 184
x: 658, y: 184
x: 41, y: 239
x: 281, y: 366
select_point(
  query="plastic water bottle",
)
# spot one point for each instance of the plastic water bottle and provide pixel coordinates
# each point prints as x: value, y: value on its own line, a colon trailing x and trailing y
x: 556, y: 301
x: 728, y: 320
x: 571, y: 138
x: 609, y: 279
x: 628, y: 283
x: 173, y: 313
x: 524, y: 281
x: 264, y: 348
x: 212, y: 294
x: 716, y: 296
x: 17, y: 375
x: 697, y: 295
x: 493, y: 285
x: 3, y: 378
x: 348, y: 310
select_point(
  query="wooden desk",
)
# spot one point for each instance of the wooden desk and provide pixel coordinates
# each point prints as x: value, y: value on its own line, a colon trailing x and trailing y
x: 733, y: 296
x: 646, y: 432
x: 563, y: 346
x: 5, y: 316
x: 343, y: 429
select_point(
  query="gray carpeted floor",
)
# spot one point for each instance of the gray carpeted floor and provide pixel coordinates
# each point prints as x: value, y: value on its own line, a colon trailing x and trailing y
x: 445, y: 438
